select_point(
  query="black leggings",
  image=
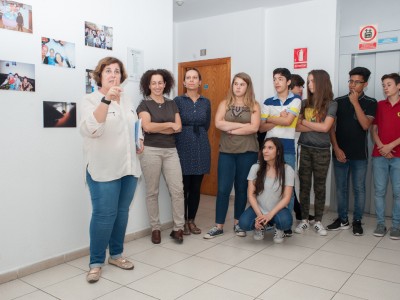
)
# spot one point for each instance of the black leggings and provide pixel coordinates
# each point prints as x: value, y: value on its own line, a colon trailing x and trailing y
x: 191, y: 191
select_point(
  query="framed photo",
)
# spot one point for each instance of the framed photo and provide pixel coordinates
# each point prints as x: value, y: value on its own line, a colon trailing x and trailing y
x: 90, y: 83
x: 58, y: 53
x: 15, y: 16
x: 98, y: 36
x: 59, y: 114
x: 16, y: 76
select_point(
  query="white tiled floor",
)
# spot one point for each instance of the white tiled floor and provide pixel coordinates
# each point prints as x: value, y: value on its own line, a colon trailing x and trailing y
x: 338, y: 266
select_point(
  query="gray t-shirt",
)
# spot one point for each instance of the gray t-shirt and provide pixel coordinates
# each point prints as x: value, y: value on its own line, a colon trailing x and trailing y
x: 271, y: 195
x: 316, y: 139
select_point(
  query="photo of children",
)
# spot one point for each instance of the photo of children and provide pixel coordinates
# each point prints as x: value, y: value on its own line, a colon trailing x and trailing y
x: 15, y: 16
x: 16, y: 76
x: 98, y: 36
x: 58, y: 53
x: 91, y: 84
x: 59, y: 114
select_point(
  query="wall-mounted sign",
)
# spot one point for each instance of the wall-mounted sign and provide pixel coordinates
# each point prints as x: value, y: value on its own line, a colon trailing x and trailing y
x: 367, y: 36
x: 390, y: 40
x: 300, y: 58
x: 135, y: 64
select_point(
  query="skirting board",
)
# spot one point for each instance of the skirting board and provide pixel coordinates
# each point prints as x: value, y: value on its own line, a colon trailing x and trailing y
x: 66, y: 257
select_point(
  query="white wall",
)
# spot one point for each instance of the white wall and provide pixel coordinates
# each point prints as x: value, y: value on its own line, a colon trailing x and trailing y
x: 356, y: 13
x: 309, y: 25
x: 236, y: 35
x: 45, y: 206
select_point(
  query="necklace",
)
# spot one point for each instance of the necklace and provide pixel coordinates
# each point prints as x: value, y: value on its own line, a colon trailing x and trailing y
x: 159, y: 103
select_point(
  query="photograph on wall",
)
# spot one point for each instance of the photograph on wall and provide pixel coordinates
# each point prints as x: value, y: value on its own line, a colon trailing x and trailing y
x: 90, y: 83
x: 98, y: 36
x: 15, y: 16
x: 58, y: 53
x: 59, y: 114
x: 16, y: 76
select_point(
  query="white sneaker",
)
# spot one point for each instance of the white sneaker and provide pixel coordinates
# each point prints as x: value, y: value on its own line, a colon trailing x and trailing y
x: 304, y: 225
x: 258, y: 234
x: 278, y: 236
x: 319, y: 228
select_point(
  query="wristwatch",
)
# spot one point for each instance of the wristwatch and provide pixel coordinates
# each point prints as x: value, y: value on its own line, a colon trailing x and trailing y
x: 105, y: 101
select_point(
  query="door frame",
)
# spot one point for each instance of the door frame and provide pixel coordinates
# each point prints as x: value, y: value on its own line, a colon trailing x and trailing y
x: 199, y: 63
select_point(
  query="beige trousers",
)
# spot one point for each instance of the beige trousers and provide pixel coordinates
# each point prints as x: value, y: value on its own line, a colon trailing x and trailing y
x: 155, y: 161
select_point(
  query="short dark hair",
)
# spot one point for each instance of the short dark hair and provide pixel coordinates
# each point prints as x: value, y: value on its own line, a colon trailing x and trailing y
x: 394, y: 76
x: 146, y: 78
x: 364, y: 72
x: 284, y: 72
x: 106, y: 61
x: 296, y: 80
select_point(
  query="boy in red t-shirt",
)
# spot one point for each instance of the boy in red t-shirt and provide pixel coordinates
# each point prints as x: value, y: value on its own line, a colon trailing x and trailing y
x: 386, y: 154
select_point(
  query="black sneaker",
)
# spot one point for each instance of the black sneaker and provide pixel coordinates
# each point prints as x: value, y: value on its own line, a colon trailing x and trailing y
x: 288, y: 232
x: 338, y: 224
x: 357, y: 228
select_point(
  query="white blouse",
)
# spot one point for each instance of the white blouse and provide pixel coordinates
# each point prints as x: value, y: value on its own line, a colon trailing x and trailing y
x: 109, y: 148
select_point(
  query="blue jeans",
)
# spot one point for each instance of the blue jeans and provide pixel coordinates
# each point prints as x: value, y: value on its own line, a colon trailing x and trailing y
x: 282, y: 220
x: 233, y: 170
x: 290, y: 159
x: 110, y: 202
x: 382, y: 169
x: 358, y: 171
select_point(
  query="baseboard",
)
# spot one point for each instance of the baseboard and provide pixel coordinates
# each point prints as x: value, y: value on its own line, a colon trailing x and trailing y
x: 66, y: 257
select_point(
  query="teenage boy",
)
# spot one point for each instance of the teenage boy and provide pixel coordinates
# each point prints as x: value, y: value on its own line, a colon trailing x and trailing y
x: 354, y: 116
x: 297, y: 85
x: 386, y: 154
x: 279, y: 118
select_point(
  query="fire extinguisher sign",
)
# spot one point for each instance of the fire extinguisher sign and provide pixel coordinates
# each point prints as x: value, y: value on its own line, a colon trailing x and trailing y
x: 300, y: 58
x: 367, y: 36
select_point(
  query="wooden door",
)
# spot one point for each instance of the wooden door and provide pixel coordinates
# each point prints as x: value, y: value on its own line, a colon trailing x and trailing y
x: 216, y: 77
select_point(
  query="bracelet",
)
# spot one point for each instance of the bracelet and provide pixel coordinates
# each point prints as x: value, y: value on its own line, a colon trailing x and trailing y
x: 105, y: 101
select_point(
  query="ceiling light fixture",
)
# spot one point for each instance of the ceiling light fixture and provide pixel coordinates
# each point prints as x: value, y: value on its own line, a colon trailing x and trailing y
x: 180, y: 2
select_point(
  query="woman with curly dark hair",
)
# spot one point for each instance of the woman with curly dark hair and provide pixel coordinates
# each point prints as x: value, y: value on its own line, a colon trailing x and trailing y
x: 270, y: 186
x: 160, y: 121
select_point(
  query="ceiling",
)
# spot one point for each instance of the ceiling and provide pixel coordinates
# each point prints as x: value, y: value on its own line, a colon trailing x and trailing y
x: 197, y: 9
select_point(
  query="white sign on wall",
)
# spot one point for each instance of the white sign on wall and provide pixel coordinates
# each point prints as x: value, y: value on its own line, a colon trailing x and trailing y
x: 135, y: 64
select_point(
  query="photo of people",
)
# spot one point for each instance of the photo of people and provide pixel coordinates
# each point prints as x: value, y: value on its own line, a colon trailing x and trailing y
x: 98, y: 36
x: 59, y: 114
x: 16, y: 76
x: 15, y: 16
x: 91, y: 84
x: 58, y: 53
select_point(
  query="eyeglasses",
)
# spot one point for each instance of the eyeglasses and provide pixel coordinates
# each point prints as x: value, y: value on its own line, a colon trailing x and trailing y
x: 355, y: 82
